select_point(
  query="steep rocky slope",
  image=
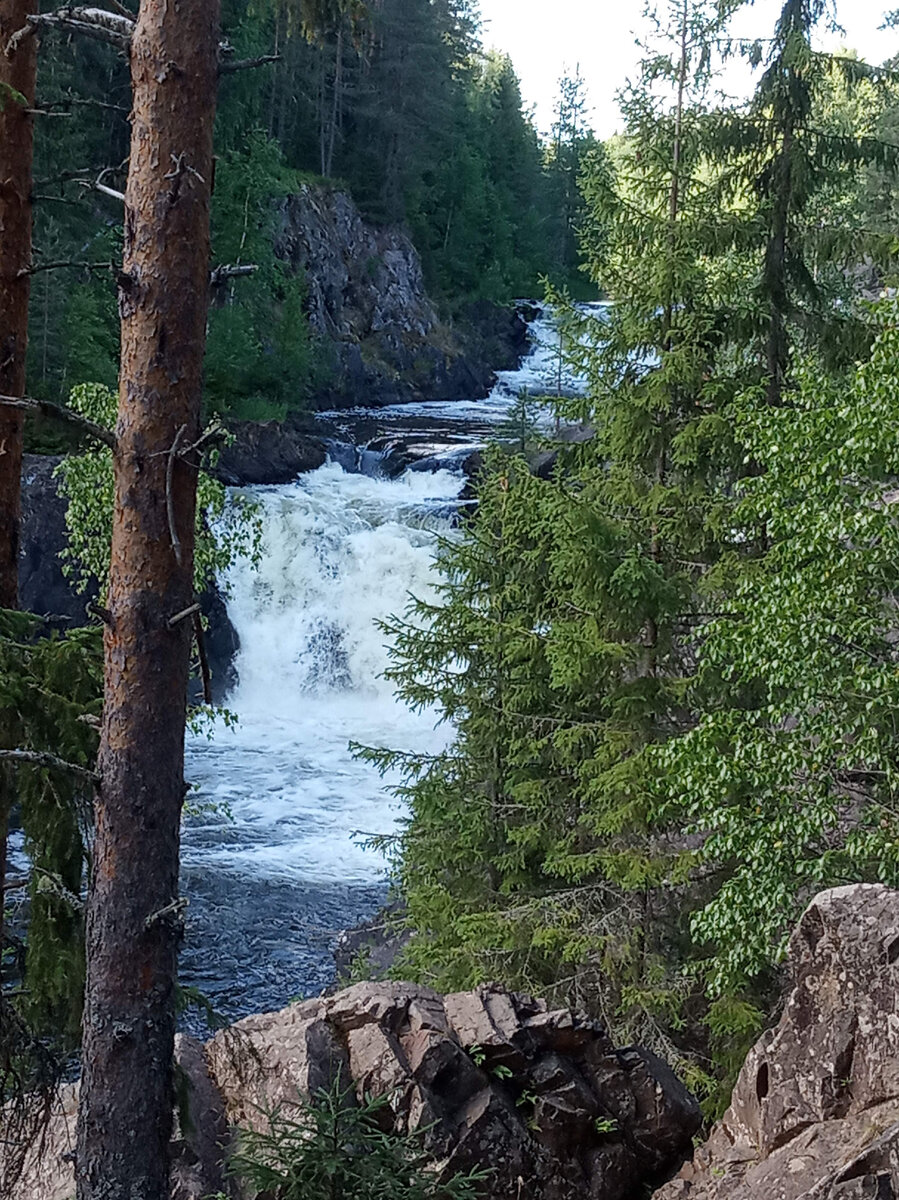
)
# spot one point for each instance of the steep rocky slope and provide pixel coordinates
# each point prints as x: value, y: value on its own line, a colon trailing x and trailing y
x: 541, y: 1099
x: 366, y: 300
x: 815, y: 1112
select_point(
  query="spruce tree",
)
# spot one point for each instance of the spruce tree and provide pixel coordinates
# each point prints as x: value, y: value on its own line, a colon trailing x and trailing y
x: 780, y: 155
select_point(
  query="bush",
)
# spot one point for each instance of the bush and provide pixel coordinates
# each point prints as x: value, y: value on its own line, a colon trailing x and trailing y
x: 335, y: 1148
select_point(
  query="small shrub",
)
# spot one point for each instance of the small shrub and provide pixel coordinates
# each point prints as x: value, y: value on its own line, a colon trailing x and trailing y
x: 333, y: 1148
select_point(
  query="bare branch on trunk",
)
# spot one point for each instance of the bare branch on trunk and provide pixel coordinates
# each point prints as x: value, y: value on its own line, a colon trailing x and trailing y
x: 96, y: 23
x: 222, y: 274
x: 57, y: 266
x: 59, y: 412
x: 205, y: 672
x: 169, y: 495
x: 183, y: 615
x: 37, y: 758
x: 117, y: 29
x: 228, y: 66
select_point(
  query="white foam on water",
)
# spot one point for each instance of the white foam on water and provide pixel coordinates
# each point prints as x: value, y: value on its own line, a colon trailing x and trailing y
x: 541, y: 373
x: 342, y: 552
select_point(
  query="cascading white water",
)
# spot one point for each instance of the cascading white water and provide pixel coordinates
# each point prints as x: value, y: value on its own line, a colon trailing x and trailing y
x: 341, y: 552
x: 273, y: 869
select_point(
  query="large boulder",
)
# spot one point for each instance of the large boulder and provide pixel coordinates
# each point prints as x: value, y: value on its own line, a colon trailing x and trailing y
x: 815, y: 1111
x: 271, y: 451
x: 542, y: 1099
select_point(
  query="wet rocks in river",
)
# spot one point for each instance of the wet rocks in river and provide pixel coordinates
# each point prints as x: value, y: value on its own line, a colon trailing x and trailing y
x: 270, y: 451
x: 542, y: 1099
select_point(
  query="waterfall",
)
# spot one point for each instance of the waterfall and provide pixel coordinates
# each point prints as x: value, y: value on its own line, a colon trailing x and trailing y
x: 270, y: 863
x: 341, y: 552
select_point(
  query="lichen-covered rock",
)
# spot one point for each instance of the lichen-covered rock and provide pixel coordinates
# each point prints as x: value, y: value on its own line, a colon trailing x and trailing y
x: 541, y: 1099
x: 815, y: 1111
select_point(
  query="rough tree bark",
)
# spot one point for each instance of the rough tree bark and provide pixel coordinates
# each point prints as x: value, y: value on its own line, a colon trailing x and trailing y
x: 17, y: 76
x: 134, y: 924
x: 17, y: 79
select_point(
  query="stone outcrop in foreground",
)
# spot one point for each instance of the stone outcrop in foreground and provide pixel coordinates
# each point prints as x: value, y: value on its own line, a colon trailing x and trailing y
x: 541, y: 1098
x: 815, y: 1112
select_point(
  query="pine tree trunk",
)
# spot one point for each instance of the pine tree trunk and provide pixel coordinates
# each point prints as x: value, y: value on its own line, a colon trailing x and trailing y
x: 17, y: 82
x: 17, y: 75
x: 133, y: 927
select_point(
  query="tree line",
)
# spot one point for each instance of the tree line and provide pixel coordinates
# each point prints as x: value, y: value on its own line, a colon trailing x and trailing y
x: 398, y: 102
x: 671, y: 665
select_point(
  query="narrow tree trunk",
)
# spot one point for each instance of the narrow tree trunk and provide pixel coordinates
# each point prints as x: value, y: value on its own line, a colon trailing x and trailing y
x: 335, y: 102
x: 17, y: 72
x: 17, y: 78
x: 133, y: 925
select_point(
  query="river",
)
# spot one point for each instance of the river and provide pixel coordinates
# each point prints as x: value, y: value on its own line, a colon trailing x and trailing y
x: 274, y: 861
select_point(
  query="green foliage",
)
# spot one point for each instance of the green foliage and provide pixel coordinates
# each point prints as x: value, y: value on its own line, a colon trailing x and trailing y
x: 333, y: 1146
x: 790, y: 777
x: 225, y: 531
x: 398, y: 103
x: 669, y: 668
x: 260, y: 355
x: 50, y: 689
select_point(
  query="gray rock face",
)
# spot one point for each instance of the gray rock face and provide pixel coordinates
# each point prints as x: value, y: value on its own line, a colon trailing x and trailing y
x: 362, y: 280
x: 541, y: 1098
x: 43, y: 588
x: 270, y: 451
x: 366, y: 299
x: 815, y: 1111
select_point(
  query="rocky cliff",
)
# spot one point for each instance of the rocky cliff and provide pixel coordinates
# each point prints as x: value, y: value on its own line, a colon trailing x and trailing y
x: 44, y: 588
x: 815, y: 1111
x: 367, y: 302
x: 541, y: 1099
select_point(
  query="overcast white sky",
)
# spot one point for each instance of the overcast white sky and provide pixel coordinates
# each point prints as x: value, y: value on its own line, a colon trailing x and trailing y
x: 546, y: 37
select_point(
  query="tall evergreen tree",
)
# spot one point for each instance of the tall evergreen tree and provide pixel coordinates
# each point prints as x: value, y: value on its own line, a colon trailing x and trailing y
x: 781, y: 155
x: 125, y: 1105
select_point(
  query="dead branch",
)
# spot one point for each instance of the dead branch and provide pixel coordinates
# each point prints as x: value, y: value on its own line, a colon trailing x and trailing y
x: 38, y: 758
x: 205, y: 673
x: 173, y: 911
x: 55, y: 266
x: 116, y: 29
x: 169, y: 499
x: 59, y: 413
x: 79, y: 100
x: 96, y: 610
x: 222, y: 274
x: 96, y: 23
x: 39, y: 196
x: 227, y: 67
x: 180, y: 616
